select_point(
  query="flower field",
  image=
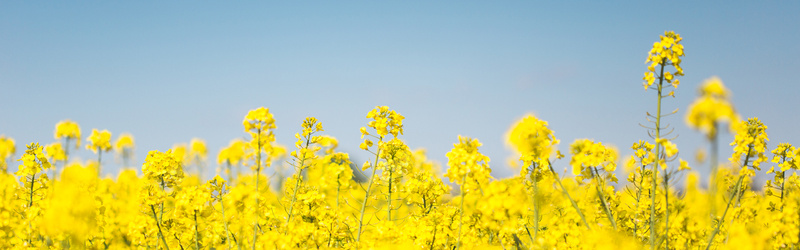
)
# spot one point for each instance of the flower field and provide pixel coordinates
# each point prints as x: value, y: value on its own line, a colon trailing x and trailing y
x: 399, y: 199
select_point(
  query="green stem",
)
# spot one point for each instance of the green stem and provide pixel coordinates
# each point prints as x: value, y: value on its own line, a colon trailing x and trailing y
x: 196, y: 232
x: 716, y: 229
x: 603, y: 199
x: 563, y: 189
x: 783, y: 184
x: 227, y: 229
x: 299, y: 176
x: 99, y: 154
x: 158, y: 224
x: 712, y: 185
x: 461, y: 211
x: 638, y: 199
x: 369, y: 188
x: 730, y: 201
x: 658, y: 159
x: 389, y: 198
x: 258, y: 173
x: 666, y: 210
x: 338, y: 190
x: 230, y: 171
x: 535, y: 203
x: 30, y: 206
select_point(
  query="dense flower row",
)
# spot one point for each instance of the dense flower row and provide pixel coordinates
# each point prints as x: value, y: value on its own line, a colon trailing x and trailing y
x: 398, y: 199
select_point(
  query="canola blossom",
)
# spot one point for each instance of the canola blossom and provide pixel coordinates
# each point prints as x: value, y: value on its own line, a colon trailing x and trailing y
x: 319, y: 198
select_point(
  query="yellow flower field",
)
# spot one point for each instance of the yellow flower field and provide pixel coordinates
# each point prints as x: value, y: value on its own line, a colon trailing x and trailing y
x: 399, y: 199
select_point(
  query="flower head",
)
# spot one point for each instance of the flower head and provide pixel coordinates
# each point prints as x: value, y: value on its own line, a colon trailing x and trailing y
x: 750, y: 142
x: 666, y: 51
x: 198, y: 149
x: 55, y: 152
x: 99, y: 140
x: 786, y: 157
x: 124, y: 142
x: 259, y: 119
x: 711, y: 108
x: 466, y: 163
x: 70, y: 130
x: 587, y: 153
x: 232, y: 154
x: 163, y: 168
x: 33, y: 161
x: 259, y: 123
x: 385, y: 121
x: 7, y: 149
x: 533, y: 140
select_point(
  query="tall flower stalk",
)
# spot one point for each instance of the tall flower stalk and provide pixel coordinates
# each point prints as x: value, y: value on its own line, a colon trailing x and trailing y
x: 385, y: 122
x: 665, y: 52
x: 706, y: 113
x: 125, y: 146
x: 751, y: 143
x: 69, y: 131
x: 535, y: 143
x: 162, y: 171
x: 231, y: 156
x: 304, y: 156
x: 99, y: 142
x: 587, y: 156
x: 34, y: 162
x: 469, y: 169
x: 259, y: 123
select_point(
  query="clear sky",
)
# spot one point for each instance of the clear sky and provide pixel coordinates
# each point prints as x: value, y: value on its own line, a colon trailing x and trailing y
x: 168, y: 71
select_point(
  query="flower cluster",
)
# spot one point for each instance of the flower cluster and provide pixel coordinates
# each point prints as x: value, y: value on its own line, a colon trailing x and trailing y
x: 385, y: 121
x: 667, y: 51
x: 711, y: 108
x: 7, y: 149
x: 163, y: 168
x: 99, y: 140
x: 533, y: 140
x: 589, y: 156
x: 259, y: 123
x: 750, y: 142
x: 468, y: 167
x: 68, y: 129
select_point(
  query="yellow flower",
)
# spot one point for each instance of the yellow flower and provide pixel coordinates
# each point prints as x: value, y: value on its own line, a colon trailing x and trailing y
x: 232, y: 154
x: 586, y: 154
x: 99, y: 140
x: 365, y: 145
x: 198, y: 149
x: 384, y: 122
x: 714, y: 87
x: 711, y: 108
x: 684, y: 165
x: 667, y: 51
x: 670, y: 149
x: 260, y: 119
x: 7, y: 149
x: 467, y: 164
x: 786, y: 157
x: 179, y: 151
x: 55, y: 152
x: 259, y: 123
x: 68, y: 129
x: 533, y: 140
x: 163, y: 168
x: 751, y: 142
x: 124, y: 142
x: 33, y: 161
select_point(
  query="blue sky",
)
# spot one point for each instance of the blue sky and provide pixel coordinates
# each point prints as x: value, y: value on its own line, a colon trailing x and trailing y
x: 170, y: 71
